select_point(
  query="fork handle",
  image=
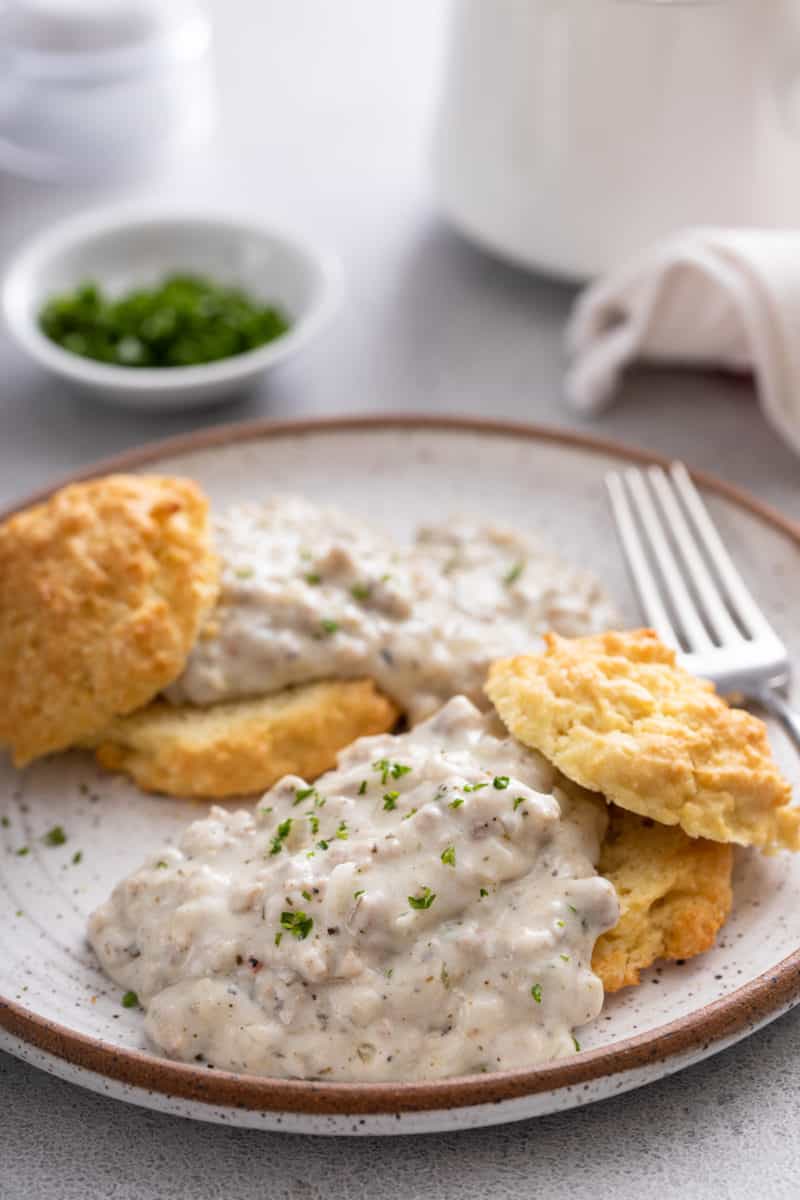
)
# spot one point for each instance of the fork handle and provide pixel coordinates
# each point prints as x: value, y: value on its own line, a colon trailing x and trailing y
x: 789, y: 717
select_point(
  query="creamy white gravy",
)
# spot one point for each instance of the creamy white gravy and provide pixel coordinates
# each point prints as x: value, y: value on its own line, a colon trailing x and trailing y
x: 428, y: 909
x: 309, y: 593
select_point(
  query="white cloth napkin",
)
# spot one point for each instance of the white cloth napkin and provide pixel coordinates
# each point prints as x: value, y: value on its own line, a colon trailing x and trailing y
x: 709, y: 297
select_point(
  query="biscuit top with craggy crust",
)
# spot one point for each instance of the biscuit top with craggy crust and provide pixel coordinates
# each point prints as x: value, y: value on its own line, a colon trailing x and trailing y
x: 103, y: 588
x: 616, y: 714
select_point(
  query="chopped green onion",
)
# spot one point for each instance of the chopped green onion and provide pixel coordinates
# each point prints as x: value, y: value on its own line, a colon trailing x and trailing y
x: 181, y: 322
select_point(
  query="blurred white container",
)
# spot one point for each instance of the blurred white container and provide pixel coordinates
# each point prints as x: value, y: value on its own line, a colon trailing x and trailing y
x: 573, y: 132
x: 102, y: 88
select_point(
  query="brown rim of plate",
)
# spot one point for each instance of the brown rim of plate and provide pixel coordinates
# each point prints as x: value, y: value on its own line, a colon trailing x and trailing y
x: 749, y: 1006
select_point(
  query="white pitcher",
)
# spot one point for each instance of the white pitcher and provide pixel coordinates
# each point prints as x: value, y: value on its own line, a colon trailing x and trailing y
x: 573, y: 132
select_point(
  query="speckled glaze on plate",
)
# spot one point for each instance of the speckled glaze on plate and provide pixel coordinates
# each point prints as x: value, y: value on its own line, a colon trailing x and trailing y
x: 59, y: 1012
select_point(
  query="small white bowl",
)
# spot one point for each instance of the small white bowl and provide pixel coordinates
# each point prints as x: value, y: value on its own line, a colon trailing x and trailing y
x: 123, y: 249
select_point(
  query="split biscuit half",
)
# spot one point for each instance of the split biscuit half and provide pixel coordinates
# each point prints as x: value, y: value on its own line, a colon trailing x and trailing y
x: 243, y: 746
x: 674, y: 894
x: 616, y: 714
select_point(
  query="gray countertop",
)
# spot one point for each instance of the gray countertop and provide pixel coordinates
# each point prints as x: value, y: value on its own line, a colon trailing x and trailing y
x: 326, y: 111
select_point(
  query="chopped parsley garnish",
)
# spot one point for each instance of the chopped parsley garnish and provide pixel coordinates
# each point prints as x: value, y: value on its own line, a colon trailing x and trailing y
x: 560, y: 924
x: 328, y: 626
x: 161, y: 864
x: 564, y: 958
x: 383, y: 765
x: 361, y: 591
x: 513, y: 573
x: 301, y: 794
x: 425, y: 900
x: 390, y: 801
x: 572, y: 908
x: 23, y: 850
x: 360, y: 892
x: 536, y: 992
x: 342, y: 831
x: 519, y: 800
x: 459, y: 800
x: 474, y: 787
x: 362, y: 787
x: 306, y: 895
x: 323, y: 845
x: 130, y: 1000
x: 313, y: 821
x: 298, y: 924
x: 483, y: 892
x: 313, y: 578
x: 501, y: 782
x: 410, y: 813
x: 448, y: 856
x: 278, y: 937
x: 55, y: 836
x: 4, y: 821
x: 76, y: 858
x: 386, y: 768
x: 576, y: 1043
x: 244, y: 572
x: 281, y: 834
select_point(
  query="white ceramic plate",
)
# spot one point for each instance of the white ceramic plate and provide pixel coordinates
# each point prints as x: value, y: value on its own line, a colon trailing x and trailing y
x: 58, y: 1011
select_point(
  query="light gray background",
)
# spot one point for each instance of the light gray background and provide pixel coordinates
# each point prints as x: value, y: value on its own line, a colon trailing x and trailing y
x: 326, y: 113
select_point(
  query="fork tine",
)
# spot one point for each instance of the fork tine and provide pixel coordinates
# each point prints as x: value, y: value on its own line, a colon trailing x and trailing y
x: 741, y: 601
x: 643, y: 578
x: 712, y: 602
x: 683, y: 605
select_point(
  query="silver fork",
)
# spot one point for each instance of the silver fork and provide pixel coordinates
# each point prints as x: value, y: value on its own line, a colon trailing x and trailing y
x: 691, y: 592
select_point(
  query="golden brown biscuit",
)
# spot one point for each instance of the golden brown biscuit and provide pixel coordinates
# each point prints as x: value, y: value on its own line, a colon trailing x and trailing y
x: 674, y: 893
x: 103, y: 589
x: 244, y: 746
x: 617, y: 715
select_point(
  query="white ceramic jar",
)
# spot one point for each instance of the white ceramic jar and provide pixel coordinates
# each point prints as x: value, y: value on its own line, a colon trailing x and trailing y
x: 573, y: 132
x: 101, y: 88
